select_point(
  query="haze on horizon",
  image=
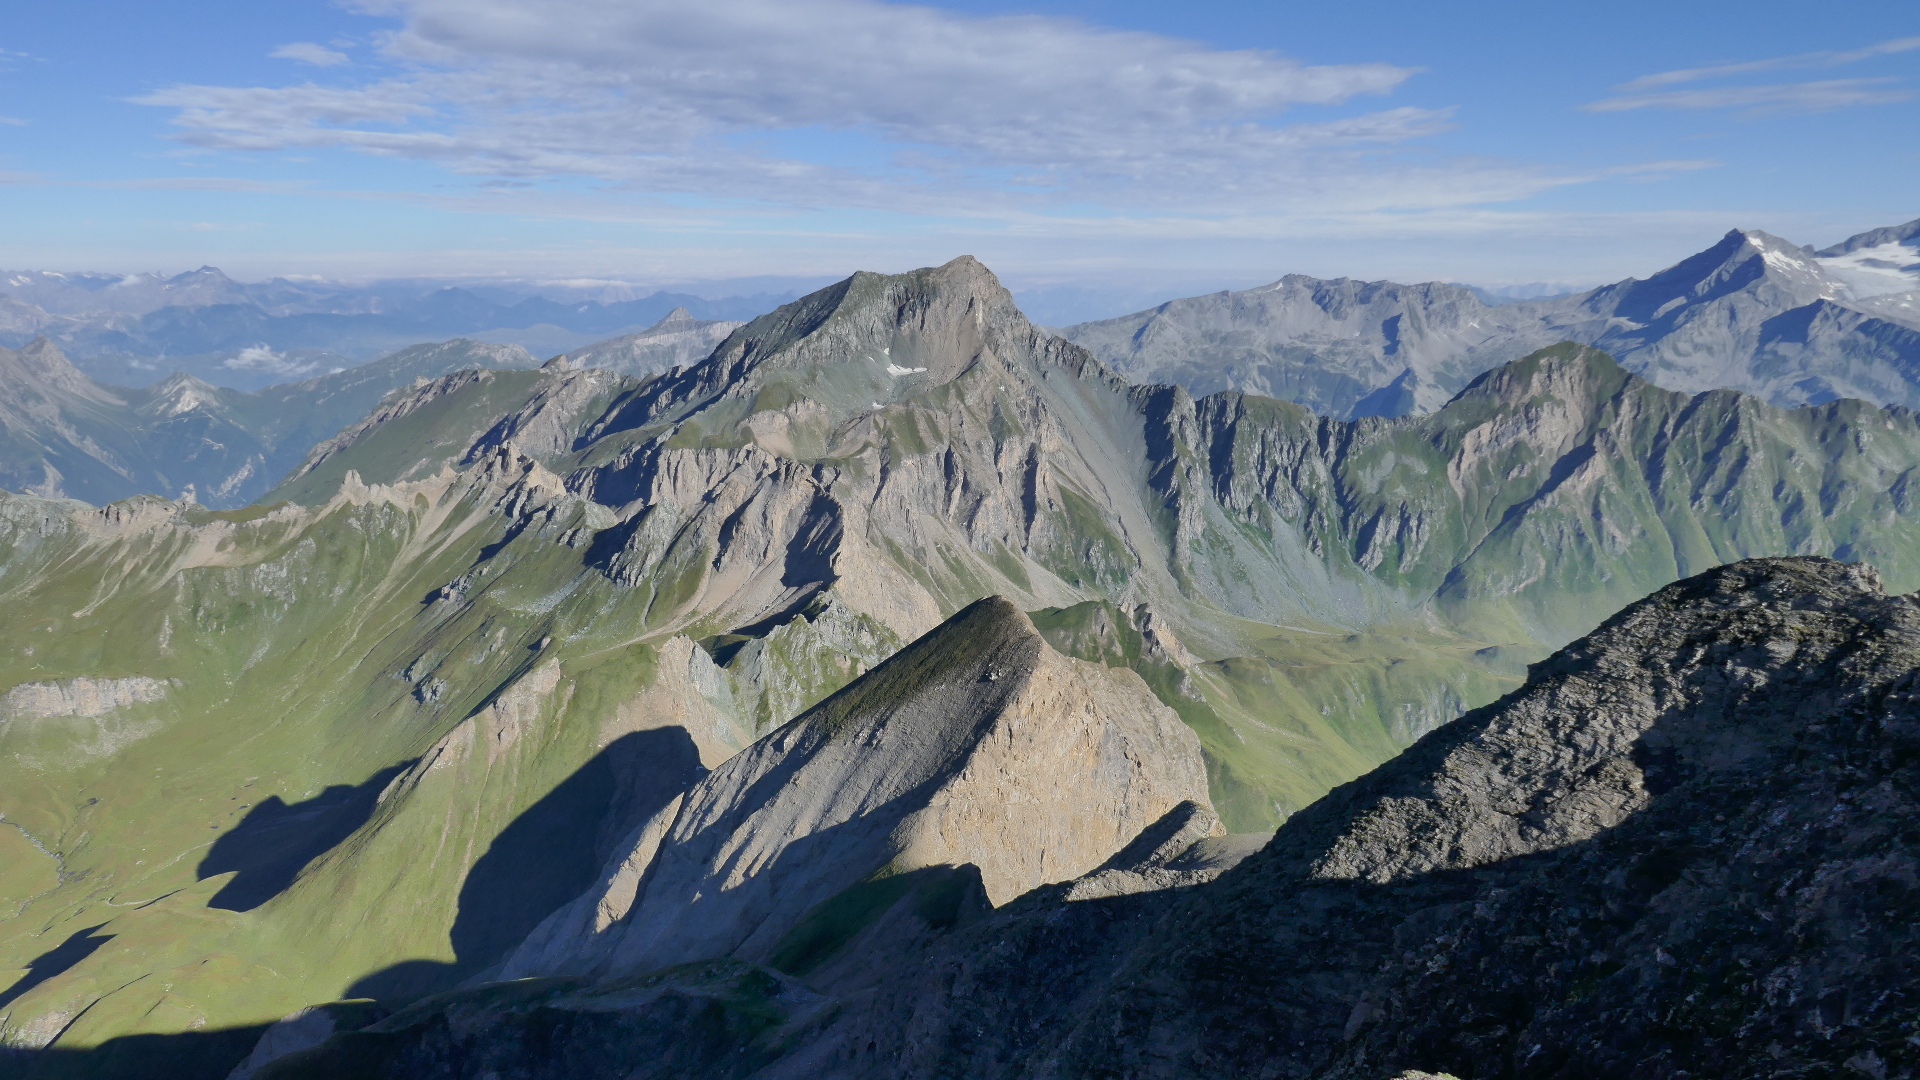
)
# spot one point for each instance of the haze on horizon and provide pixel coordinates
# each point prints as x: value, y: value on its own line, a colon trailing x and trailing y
x: 1125, y: 150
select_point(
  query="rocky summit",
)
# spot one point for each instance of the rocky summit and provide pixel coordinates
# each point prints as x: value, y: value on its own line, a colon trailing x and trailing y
x: 898, y: 690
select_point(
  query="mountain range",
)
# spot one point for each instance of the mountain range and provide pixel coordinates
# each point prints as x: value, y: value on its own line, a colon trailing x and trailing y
x: 68, y: 435
x: 898, y: 690
x: 1753, y: 312
x: 132, y: 331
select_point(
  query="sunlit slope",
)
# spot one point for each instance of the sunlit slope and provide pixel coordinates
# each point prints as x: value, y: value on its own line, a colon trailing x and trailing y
x: 510, y: 610
x: 914, y: 442
x: 424, y: 690
x: 912, y: 439
x: 1340, y: 587
x: 1543, y: 497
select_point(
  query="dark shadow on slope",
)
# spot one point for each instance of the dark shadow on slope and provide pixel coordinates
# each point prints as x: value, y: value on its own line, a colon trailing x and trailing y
x: 1392, y: 400
x: 810, y: 552
x: 275, y: 840
x: 495, y: 548
x: 55, y: 961
x: 608, y: 543
x: 549, y: 855
x: 189, y: 1055
x: 724, y: 647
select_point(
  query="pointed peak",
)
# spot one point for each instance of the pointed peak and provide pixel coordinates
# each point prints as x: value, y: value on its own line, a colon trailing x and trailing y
x: 180, y: 393
x: 989, y: 641
x: 1766, y: 241
x: 678, y: 317
x: 47, y: 358
x: 964, y: 271
x: 967, y: 265
x: 42, y: 361
x: 44, y: 350
x: 181, y: 380
x: 204, y: 273
x: 1741, y: 261
x: 1739, y: 245
x: 933, y: 322
x: 1776, y: 254
x: 992, y: 611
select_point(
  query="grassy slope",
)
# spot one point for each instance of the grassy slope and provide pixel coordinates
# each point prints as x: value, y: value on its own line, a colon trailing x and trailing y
x: 320, y: 650
x: 312, y: 657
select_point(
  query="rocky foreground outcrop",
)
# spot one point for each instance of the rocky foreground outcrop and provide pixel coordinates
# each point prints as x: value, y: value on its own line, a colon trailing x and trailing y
x: 1684, y: 848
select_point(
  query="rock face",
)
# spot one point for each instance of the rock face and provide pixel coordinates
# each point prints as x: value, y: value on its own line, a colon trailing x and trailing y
x: 1753, y: 313
x: 79, y: 697
x: 975, y: 746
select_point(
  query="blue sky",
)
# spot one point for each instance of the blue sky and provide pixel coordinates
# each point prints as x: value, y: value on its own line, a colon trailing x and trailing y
x: 1139, y: 148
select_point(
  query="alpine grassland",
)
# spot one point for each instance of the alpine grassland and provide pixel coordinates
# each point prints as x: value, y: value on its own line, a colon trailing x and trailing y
x: 356, y: 740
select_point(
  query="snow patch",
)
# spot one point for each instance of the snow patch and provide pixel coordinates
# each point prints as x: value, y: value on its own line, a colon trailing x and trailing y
x: 896, y: 370
x: 1876, y: 271
x: 1782, y: 261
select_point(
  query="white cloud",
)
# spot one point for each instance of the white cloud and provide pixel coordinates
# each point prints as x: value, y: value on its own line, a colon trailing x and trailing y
x: 14, y: 121
x: 1806, y: 97
x: 1803, y: 97
x: 854, y: 103
x: 201, y: 183
x: 309, y: 53
x: 1802, y: 60
x: 262, y: 358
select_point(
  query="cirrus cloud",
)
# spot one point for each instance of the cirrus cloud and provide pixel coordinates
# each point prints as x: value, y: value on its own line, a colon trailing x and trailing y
x: 1807, y: 97
x: 309, y: 53
x: 1828, y: 58
x: 1802, y: 97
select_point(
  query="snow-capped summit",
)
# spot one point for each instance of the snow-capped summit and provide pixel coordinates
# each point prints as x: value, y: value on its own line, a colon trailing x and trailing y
x: 1752, y: 312
x: 1879, y: 262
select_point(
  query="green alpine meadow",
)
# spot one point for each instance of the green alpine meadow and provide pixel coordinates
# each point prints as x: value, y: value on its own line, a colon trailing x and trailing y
x: 489, y: 688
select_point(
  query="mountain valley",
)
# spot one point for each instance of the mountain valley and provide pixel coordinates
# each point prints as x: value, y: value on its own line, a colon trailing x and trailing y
x: 821, y: 695
x: 71, y: 436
